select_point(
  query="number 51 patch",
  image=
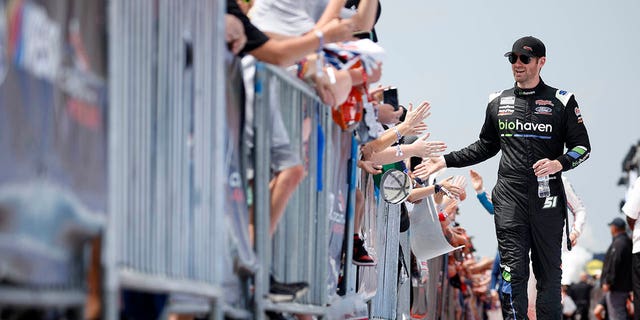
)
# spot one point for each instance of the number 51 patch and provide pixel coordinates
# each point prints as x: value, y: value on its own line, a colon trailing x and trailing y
x: 550, y: 202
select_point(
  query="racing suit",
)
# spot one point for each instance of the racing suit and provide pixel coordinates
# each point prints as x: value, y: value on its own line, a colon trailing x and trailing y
x: 529, y: 125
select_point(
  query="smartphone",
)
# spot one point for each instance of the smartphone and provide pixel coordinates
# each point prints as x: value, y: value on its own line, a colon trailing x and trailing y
x: 390, y: 96
x: 362, y: 35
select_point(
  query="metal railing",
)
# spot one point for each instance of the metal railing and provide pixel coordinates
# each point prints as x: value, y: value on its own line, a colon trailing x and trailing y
x: 300, y: 247
x: 52, y: 147
x: 165, y: 215
x: 309, y: 243
x: 167, y: 178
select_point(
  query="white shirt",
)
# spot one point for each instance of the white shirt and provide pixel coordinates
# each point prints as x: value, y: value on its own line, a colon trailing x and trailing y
x: 290, y: 17
x: 632, y: 209
x: 575, y: 205
x: 287, y: 17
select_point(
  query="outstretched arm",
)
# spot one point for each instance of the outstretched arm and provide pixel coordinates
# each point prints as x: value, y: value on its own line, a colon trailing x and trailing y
x: 476, y: 181
x: 285, y: 52
x: 423, y: 192
x: 486, y: 203
x: 420, y: 148
x: 412, y: 125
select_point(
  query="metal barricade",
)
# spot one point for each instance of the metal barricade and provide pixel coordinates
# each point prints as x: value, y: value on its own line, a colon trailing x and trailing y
x: 368, y: 275
x: 166, y: 94
x: 313, y: 225
x: 438, y: 287
x: 166, y: 230
x: 403, y: 311
x: 52, y: 150
x: 300, y: 246
x: 297, y: 234
x: 389, y: 237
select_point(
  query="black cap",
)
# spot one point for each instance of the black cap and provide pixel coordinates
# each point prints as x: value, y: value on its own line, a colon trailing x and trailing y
x: 528, y: 46
x: 618, y: 222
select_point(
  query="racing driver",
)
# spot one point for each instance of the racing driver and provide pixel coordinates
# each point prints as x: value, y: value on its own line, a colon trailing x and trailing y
x: 531, y: 123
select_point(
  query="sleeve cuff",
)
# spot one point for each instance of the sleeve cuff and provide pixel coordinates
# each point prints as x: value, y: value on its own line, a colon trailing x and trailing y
x: 566, y: 164
x: 447, y: 160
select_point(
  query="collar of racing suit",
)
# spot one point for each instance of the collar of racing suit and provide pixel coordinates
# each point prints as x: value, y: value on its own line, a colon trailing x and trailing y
x: 528, y: 92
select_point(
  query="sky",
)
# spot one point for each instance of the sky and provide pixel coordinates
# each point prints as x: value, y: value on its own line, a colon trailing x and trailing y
x: 450, y: 53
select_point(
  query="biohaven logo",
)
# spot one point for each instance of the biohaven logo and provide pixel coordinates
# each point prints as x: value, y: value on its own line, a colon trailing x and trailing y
x: 524, y: 126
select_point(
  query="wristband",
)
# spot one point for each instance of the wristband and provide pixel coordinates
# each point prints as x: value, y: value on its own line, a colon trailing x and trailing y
x: 302, y: 67
x: 399, y: 152
x: 448, y: 193
x: 437, y: 188
x: 320, y: 36
x: 398, y: 135
x: 442, y: 216
x: 332, y: 75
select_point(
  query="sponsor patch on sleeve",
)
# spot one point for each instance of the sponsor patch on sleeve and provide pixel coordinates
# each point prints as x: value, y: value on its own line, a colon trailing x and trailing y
x: 578, y: 114
x: 563, y: 96
x: 577, y: 151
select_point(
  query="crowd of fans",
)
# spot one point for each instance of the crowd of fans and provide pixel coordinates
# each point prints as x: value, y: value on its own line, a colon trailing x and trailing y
x: 395, y: 137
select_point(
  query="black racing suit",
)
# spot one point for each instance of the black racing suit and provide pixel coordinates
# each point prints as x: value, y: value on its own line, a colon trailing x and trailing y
x: 529, y: 125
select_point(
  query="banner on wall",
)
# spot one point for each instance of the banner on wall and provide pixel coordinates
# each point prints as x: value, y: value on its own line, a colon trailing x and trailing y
x: 53, y: 96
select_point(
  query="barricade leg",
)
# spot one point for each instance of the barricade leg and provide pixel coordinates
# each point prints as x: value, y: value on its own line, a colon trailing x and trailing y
x: 404, y: 286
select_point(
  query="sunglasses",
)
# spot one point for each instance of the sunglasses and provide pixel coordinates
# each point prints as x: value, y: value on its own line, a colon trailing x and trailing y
x: 513, y: 58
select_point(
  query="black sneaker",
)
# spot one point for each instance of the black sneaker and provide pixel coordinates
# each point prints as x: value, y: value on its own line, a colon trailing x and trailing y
x: 272, y: 315
x: 341, y: 290
x: 286, y: 292
x: 360, y: 255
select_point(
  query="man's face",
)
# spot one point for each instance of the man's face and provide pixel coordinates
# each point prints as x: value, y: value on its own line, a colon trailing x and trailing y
x: 613, y: 229
x: 387, y: 114
x: 526, y: 74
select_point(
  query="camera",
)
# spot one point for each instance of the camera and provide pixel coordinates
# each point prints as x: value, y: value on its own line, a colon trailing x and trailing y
x: 390, y: 96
